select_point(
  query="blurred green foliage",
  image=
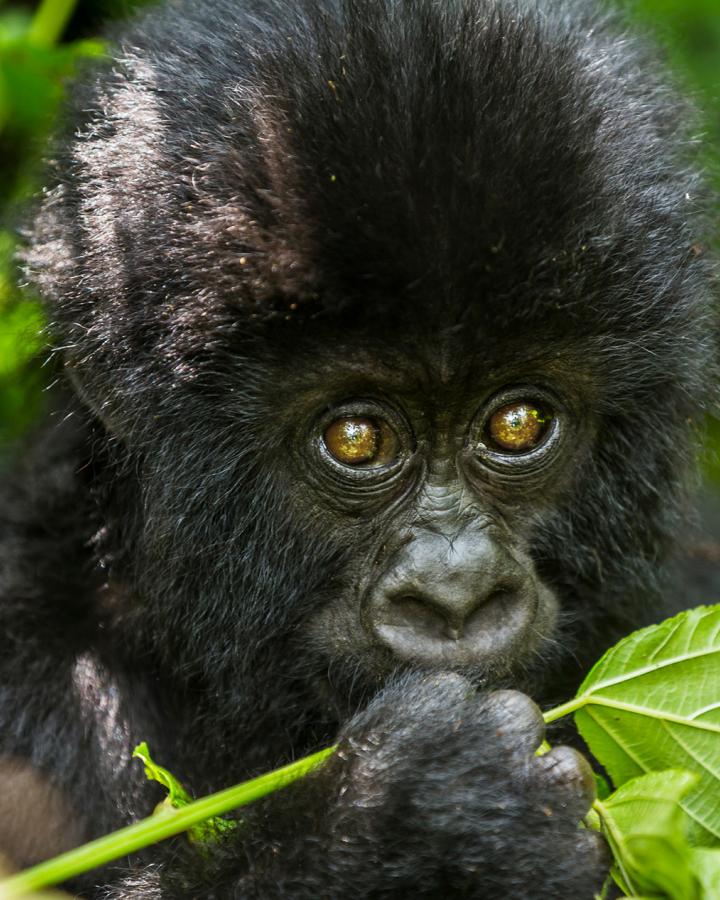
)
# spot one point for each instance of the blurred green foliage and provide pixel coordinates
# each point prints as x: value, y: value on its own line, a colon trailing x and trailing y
x: 41, y: 43
x: 33, y: 67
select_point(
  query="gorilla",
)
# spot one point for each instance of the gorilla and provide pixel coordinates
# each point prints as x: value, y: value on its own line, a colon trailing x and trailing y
x: 382, y: 331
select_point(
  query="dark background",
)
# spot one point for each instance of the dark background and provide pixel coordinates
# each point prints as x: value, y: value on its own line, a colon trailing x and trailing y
x: 42, y: 42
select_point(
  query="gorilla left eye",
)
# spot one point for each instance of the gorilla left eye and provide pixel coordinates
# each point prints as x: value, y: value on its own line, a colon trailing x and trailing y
x: 361, y: 441
x: 517, y: 427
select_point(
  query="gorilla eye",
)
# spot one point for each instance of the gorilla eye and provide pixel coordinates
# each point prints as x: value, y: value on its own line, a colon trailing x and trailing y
x: 359, y: 441
x: 518, y: 427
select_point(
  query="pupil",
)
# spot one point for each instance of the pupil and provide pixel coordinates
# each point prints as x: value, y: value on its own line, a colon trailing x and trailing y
x: 355, y: 432
x: 352, y: 440
x: 517, y: 427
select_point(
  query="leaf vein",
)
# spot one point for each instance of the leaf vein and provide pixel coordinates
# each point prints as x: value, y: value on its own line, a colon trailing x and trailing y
x: 613, y: 736
x: 637, y: 673
x: 660, y: 714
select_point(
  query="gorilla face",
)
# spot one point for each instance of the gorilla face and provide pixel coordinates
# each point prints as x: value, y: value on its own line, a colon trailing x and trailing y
x: 417, y: 486
x: 433, y: 463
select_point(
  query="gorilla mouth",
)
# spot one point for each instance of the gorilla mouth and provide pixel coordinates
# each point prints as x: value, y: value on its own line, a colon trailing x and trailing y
x: 506, y: 642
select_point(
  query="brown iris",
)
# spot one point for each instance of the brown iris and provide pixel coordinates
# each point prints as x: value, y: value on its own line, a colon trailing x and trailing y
x: 360, y: 441
x: 518, y: 427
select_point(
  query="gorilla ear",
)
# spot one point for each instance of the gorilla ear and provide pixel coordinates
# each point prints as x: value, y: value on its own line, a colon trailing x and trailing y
x: 100, y: 408
x: 54, y: 268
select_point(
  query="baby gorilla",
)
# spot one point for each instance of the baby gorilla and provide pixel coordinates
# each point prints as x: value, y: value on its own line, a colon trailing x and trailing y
x: 382, y: 328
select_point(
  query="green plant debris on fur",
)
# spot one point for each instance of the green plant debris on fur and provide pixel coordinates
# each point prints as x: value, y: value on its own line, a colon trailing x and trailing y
x: 204, y: 833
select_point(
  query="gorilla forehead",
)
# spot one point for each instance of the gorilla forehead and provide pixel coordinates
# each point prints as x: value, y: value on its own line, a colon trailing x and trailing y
x: 352, y: 140
x: 428, y: 362
x: 472, y: 164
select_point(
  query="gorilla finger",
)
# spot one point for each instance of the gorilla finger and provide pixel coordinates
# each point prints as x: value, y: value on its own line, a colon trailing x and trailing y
x: 592, y: 844
x: 571, y: 778
x: 519, y: 722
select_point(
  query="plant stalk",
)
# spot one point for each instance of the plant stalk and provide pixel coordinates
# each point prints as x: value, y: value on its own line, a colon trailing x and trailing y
x: 558, y: 712
x: 153, y: 829
x: 50, y: 21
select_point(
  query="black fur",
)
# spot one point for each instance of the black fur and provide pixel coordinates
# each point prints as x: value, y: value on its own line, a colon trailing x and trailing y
x: 248, y: 195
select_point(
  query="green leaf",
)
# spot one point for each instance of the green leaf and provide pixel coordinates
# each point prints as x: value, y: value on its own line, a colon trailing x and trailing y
x: 33, y: 78
x: 14, y: 23
x: 653, y: 703
x: 177, y: 795
x: 706, y: 865
x: 20, y: 335
x: 602, y: 787
x: 646, y: 829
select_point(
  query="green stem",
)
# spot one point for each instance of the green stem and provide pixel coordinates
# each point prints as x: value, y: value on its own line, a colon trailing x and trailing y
x: 49, y: 22
x: 614, y: 839
x: 153, y: 829
x: 564, y: 709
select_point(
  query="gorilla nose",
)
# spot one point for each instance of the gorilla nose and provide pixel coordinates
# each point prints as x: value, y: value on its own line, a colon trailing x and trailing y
x: 452, y: 603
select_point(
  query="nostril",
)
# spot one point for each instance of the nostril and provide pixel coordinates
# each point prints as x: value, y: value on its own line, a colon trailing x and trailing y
x: 500, y: 598
x: 500, y: 595
x: 417, y: 613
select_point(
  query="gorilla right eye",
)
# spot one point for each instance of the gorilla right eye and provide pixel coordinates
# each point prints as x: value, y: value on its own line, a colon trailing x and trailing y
x: 361, y: 441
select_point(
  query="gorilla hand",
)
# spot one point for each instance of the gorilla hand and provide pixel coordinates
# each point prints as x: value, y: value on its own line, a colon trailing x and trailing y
x: 443, y: 789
